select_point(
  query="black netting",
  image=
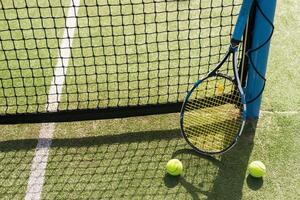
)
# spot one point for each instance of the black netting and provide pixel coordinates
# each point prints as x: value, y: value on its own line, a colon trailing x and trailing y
x: 91, y: 54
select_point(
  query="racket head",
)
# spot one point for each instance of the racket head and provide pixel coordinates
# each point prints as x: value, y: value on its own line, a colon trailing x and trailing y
x: 213, y: 114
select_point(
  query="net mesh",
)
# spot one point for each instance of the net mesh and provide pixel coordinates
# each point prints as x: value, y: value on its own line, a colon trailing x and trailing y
x: 213, y: 115
x: 89, y: 54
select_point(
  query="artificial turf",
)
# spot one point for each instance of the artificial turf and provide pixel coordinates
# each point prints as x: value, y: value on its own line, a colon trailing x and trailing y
x: 125, y: 158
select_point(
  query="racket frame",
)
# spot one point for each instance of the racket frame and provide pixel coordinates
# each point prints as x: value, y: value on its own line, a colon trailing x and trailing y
x: 233, y: 49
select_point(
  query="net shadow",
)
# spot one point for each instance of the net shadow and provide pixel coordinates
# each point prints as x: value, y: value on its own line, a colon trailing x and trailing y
x: 15, y: 163
x: 126, y: 166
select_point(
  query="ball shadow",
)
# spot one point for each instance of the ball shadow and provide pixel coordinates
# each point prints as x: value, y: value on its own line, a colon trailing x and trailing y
x: 171, y: 181
x: 254, y: 183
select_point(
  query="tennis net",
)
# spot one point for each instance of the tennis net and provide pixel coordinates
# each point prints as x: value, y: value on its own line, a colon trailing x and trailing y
x: 62, y: 56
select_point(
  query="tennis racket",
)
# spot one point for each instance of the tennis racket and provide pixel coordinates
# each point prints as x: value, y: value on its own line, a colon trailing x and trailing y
x: 213, y: 113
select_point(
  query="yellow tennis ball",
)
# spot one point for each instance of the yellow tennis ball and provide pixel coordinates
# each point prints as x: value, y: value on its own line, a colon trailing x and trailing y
x: 257, y: 169
x: 174, y: 167
x: 220, y: 88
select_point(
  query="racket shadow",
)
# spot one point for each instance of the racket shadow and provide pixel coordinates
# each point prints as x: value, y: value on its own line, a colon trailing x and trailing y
x: 199, y: 172
x: 215, y: 177
x: 230, y: 179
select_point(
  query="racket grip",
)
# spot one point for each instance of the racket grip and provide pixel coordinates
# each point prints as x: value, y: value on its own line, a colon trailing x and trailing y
x: 242, y: 20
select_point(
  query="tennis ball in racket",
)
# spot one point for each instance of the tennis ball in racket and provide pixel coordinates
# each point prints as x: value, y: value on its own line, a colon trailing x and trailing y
x: 257, y: 169
x: 220, y: 88
x: 174, y: 167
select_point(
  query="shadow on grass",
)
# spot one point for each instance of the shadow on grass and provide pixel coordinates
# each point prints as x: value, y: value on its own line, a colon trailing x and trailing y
x: 120, y: 166
x: 228, y: 171
x: 230, y: 179
x: 131, y: 165
x: 254, y: 183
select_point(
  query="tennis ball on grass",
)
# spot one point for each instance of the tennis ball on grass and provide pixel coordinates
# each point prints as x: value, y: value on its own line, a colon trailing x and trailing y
x: 174, y: 167
x: 257, y: 169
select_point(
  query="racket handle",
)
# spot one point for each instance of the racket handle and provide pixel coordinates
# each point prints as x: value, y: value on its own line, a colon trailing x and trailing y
x: 242, y: 20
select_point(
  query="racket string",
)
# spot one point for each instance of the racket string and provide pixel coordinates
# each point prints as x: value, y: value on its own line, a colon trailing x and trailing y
x: 212, y: 122
x: 195, y: 123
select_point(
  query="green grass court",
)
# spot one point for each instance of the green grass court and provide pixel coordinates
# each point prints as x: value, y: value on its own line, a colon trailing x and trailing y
x: 125, y: 158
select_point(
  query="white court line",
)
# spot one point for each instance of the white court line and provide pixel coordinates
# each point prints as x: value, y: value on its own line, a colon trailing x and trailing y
x: 39, y: 162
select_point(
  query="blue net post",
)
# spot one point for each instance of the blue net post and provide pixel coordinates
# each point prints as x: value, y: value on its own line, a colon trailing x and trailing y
x: 261, y: 30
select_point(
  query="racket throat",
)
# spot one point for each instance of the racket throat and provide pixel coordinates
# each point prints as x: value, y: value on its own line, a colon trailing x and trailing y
x: 234, y: 43
x: 233, y: 48
x: 214, y: 72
